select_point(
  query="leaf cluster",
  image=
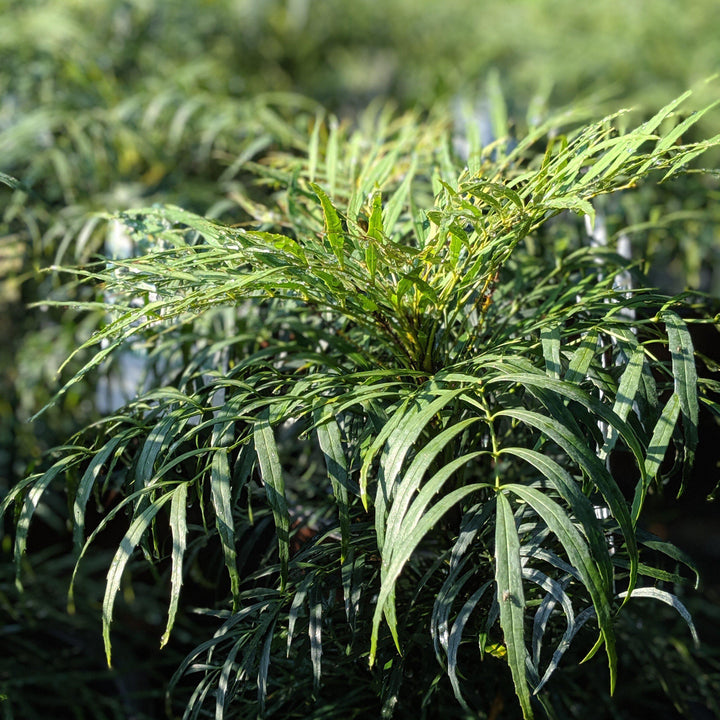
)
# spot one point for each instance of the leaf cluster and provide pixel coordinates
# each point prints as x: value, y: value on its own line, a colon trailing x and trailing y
x: 390, y: 399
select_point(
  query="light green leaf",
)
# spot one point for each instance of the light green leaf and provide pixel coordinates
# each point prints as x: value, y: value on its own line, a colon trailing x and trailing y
x: 331, y: 155
x: 685, y: 379
x: 661, y: 435
x: 333, y: 225
x: 498, y: 107
x: 178, y: 529
x: 550, y: 338
x: 666, y: 142
x: 625, y: 397
x: 313, y: 148
x: 577, y: 204
x: 396, y: 203
x: 625, y: 147
x: 376, y: 233
x: 582, y: 358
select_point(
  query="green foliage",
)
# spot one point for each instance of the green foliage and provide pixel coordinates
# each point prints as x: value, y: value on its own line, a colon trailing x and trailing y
x: 387, y: 405
x: 381, y: 361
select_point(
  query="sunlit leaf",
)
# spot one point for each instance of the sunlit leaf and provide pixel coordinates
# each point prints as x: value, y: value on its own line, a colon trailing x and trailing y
x: 272, y: 476
x: 128, y: 544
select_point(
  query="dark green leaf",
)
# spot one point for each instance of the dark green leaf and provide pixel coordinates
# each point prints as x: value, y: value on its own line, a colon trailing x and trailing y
x: 511, y: 599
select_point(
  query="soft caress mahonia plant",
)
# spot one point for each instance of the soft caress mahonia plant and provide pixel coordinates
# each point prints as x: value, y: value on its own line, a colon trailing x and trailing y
x: 420, y: 359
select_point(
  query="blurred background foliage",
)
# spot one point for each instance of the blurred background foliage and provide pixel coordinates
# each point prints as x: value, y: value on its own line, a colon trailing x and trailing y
x: 111, y: 104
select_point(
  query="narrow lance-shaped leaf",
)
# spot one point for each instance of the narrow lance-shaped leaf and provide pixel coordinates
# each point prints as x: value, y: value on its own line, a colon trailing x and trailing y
x: 387, y: 430
x: 178, y: 529
x: 629, y: 384
x: 128, y: 544
x: 690, y: 153
x: 581, y: 506
x: 582, y: 358
x: 473, y: 521
x: 124, y: 506
x: 313, y: 148
x: 595, y: 406
x: 456, y: 636
x: 580, y: 206
x: 625, y: 146
x: 234, y: 671
x: 551, y: 350
x: 449, y: 592
x: 221, y: 493
x: 29, y: 506
x: 666, y: 142
x: 511, y: 599
x: 330, y: 441
x: 264, y: 666
x: 579, y: 556
x: 413, y: 422
x: 272, y: 477
x: 219, y: 637
x: 668, y: 599
x: 331, y: 154
x: 297, y: 603
x: 87, y: 481
x: 685, y: 379
x: 406, y: 547
x: 157, y: 442
x: 13, y: 183
x: 578, y: 451
x: 498, y: 110
x: 401, y: 524
x: 376, y: 233
x: 671, y: 551
x: 315, y: 634
x: 333, y: 225
x: 555, y: 594
x: 397, y: 201
x: 658, y: 447
x: 411, y: 480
